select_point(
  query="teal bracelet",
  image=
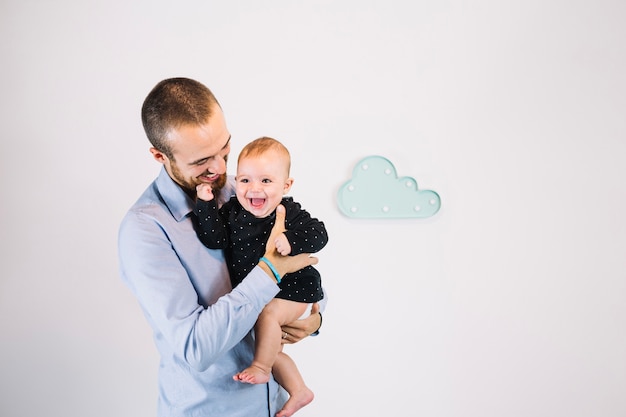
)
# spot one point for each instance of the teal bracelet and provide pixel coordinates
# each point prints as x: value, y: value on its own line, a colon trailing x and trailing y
x: 274, y: 271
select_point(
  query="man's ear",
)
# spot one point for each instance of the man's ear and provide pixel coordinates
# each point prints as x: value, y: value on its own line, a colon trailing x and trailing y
x: 158, y: 155
x: 288, y: 185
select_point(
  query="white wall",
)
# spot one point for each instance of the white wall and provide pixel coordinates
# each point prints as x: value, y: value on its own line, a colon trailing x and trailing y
x: 508, y: 302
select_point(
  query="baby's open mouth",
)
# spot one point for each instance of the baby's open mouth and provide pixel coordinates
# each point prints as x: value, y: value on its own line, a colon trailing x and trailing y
x: 257, y: 202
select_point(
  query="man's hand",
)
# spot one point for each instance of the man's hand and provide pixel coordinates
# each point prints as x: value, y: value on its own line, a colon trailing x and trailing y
x: 299, y: 329
x: 283, y: 264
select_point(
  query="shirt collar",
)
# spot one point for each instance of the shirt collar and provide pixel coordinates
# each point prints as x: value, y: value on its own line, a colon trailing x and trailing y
x: 176, y: 200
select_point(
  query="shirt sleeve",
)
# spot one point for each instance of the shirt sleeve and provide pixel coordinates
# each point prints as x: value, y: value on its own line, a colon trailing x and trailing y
x: 212, y: 230
x: 306, y: 234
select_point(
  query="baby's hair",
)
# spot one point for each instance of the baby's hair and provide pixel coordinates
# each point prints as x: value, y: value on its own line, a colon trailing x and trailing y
x: 261, y: 145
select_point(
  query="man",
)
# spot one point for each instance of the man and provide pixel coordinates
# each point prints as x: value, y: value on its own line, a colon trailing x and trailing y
x: 201, y: 325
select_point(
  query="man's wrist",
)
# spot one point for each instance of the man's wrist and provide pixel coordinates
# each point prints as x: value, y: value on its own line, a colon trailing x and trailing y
x: 271, y: 268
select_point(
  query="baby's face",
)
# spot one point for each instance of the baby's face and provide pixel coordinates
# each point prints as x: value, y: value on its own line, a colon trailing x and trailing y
x: 261, y: 183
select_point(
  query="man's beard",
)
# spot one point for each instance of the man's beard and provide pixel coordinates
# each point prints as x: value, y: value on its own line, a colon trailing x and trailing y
x: 190, y: 185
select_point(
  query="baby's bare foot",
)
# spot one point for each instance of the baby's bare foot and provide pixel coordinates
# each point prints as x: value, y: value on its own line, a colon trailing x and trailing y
x: 296, y: 401
x: 253, y: 375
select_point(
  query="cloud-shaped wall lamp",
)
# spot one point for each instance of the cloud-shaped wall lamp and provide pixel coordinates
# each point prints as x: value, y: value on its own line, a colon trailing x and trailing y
x: 375, y: 191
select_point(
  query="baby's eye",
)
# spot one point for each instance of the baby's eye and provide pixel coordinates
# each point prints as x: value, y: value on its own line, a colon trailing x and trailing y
x: 266, y: 181
x: 244, y: 180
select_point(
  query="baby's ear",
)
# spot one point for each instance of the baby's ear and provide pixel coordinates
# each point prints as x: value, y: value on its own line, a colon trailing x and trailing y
x: 288, y: 184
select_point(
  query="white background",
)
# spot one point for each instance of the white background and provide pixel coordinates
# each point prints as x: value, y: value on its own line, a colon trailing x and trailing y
x: 508, y: 302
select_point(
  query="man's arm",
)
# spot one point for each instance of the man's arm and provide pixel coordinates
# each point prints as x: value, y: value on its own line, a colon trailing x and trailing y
x: 170, y: 272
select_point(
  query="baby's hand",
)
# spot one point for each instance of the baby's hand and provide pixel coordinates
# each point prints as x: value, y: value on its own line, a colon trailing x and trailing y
x: 204, y: 192
x: 282, y: 245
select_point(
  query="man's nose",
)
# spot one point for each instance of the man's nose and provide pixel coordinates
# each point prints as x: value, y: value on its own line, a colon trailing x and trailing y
x: 217, y: 165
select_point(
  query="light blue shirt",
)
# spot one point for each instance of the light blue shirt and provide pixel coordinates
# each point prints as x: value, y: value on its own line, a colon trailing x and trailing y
x: 201, y: 325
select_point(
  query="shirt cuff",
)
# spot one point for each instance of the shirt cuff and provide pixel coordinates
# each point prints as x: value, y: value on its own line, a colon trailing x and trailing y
x: 317, y: 332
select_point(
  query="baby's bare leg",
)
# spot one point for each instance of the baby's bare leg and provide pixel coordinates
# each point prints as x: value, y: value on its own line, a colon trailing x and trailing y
x: 268, y: 338
x: 286, y: 373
